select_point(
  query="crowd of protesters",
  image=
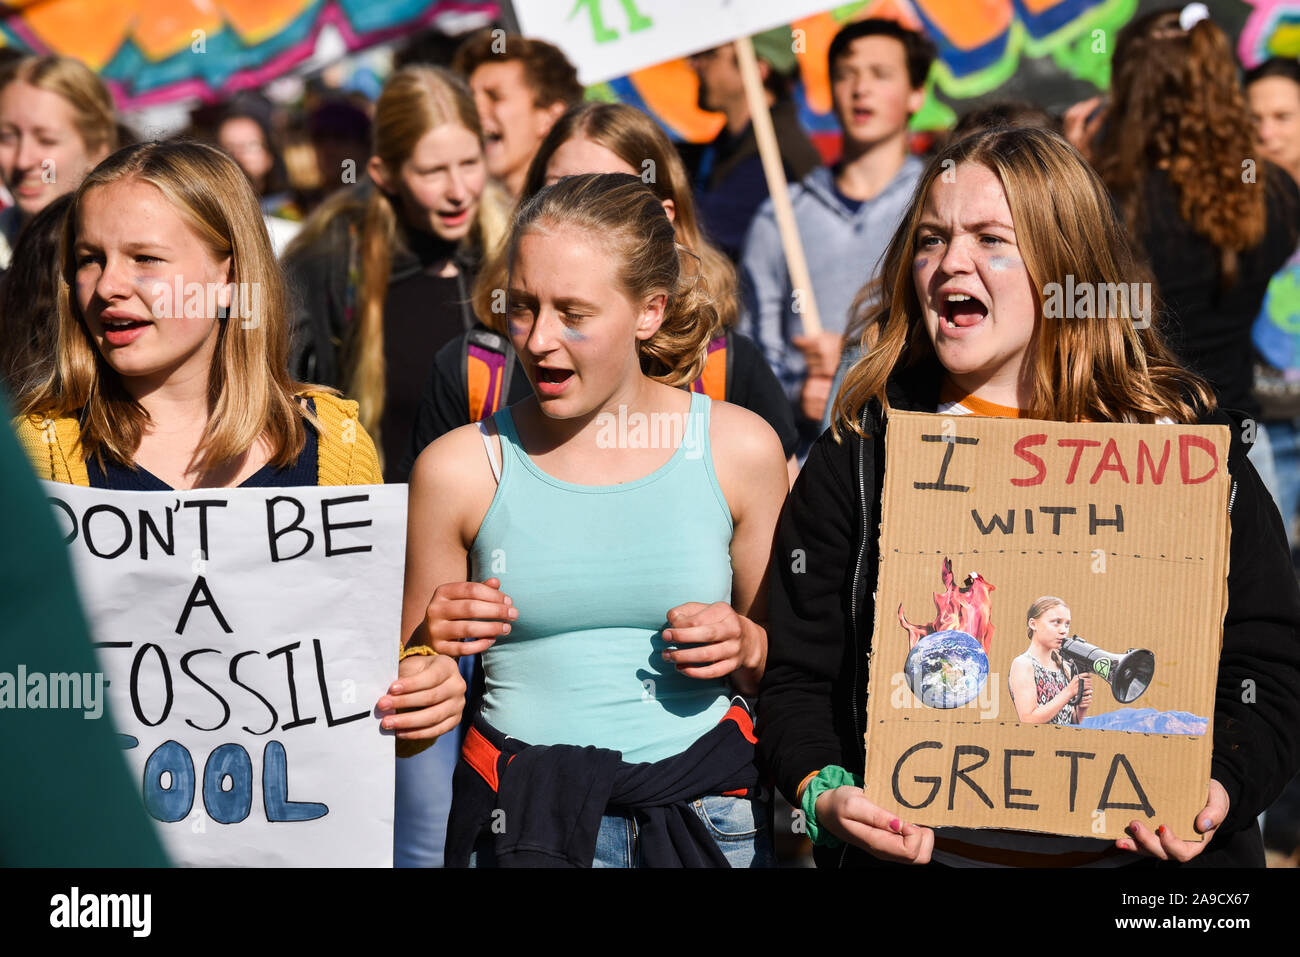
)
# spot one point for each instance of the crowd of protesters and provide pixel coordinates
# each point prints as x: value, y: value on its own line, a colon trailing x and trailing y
x: 459, y: 281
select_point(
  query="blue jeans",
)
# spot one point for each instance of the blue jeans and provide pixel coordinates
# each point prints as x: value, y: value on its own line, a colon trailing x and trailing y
x: 422, y: 793
x: 741, y: 827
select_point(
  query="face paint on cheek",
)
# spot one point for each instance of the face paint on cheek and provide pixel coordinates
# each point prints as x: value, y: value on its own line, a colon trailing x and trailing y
x: 1003, y: 263
x: 572, y: 335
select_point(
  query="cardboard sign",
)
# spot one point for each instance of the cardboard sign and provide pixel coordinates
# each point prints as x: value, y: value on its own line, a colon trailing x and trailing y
x: 1116, y: 538
x: 609, y: 38
x: 246, y: 635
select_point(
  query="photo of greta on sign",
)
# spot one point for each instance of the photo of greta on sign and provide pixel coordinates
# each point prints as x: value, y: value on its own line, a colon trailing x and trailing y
x: 1055, y: 674
x: 1064, y: 679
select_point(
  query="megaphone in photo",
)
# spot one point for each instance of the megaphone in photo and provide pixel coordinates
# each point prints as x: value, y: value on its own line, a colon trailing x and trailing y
x: 1128, y: 674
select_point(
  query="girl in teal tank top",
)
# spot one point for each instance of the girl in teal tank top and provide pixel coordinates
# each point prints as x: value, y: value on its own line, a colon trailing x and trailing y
x: 598, y: 599
x: 615, y: 530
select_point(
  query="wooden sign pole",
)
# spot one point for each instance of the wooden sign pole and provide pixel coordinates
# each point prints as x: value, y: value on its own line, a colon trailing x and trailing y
x: 770, y: 153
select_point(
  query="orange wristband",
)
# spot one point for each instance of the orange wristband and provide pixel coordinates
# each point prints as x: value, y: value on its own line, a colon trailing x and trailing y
x: 798, y: 792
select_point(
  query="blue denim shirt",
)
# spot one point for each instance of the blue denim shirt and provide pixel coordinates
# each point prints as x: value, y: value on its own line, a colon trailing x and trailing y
x: 843, y: 248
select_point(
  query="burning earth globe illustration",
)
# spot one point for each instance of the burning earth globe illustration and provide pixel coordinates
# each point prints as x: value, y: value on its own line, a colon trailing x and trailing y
x: 946, y: 669
x: 949, y: 663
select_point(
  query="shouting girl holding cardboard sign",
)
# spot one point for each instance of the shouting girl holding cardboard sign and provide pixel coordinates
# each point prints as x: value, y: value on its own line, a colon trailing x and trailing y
x: 961, y: 329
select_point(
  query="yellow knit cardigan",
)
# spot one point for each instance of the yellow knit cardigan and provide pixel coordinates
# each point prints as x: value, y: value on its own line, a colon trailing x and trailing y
x: 346, y: 455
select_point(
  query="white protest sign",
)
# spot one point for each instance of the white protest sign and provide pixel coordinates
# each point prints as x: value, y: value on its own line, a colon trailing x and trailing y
x: 609, y: 38
x: 246, y: 635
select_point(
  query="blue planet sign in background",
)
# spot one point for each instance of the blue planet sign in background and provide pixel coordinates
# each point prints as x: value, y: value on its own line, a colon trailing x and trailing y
x: 946, y: 669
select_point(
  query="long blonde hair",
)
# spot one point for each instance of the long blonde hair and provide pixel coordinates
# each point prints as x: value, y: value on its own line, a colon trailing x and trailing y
x: 92, y: 104
x: 249, y: 390
x: 1100, y: 369
x: 630, y: 223
x: 415, y: 100
x: 637, y: 140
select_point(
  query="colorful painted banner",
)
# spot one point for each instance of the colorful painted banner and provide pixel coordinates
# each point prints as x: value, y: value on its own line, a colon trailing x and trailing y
x: 156, y: 51
x: 1271, y: 30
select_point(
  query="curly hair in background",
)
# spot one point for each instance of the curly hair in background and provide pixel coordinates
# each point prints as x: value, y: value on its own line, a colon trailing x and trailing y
x: 1177, y: 105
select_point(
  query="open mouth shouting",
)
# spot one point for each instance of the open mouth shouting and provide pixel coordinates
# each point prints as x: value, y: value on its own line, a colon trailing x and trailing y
x: 959, y: 310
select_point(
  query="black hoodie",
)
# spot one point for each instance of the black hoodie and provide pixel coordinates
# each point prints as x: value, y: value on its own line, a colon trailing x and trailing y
x: 812, y: 702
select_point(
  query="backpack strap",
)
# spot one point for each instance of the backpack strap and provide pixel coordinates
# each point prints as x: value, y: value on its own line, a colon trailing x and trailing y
x: 731, y: 362
x: 489, y: 361
x: 716, y: 375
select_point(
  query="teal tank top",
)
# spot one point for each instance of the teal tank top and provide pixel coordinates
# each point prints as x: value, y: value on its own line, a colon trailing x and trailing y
x: 593, y: 570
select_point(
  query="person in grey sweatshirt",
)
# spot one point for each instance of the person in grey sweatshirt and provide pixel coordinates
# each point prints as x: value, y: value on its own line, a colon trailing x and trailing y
x: 846, y: 214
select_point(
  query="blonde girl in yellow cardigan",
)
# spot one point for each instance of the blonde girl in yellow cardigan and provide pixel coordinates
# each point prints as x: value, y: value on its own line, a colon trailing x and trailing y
x: 170, y: 370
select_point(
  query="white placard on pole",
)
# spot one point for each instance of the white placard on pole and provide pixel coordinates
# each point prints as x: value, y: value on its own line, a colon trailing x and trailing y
x: 609, y: 38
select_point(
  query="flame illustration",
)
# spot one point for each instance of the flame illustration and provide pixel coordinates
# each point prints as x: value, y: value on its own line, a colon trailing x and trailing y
x: 968, y: 608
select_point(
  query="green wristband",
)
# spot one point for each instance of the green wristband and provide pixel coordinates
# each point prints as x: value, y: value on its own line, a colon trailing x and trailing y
x: 831, y: 776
